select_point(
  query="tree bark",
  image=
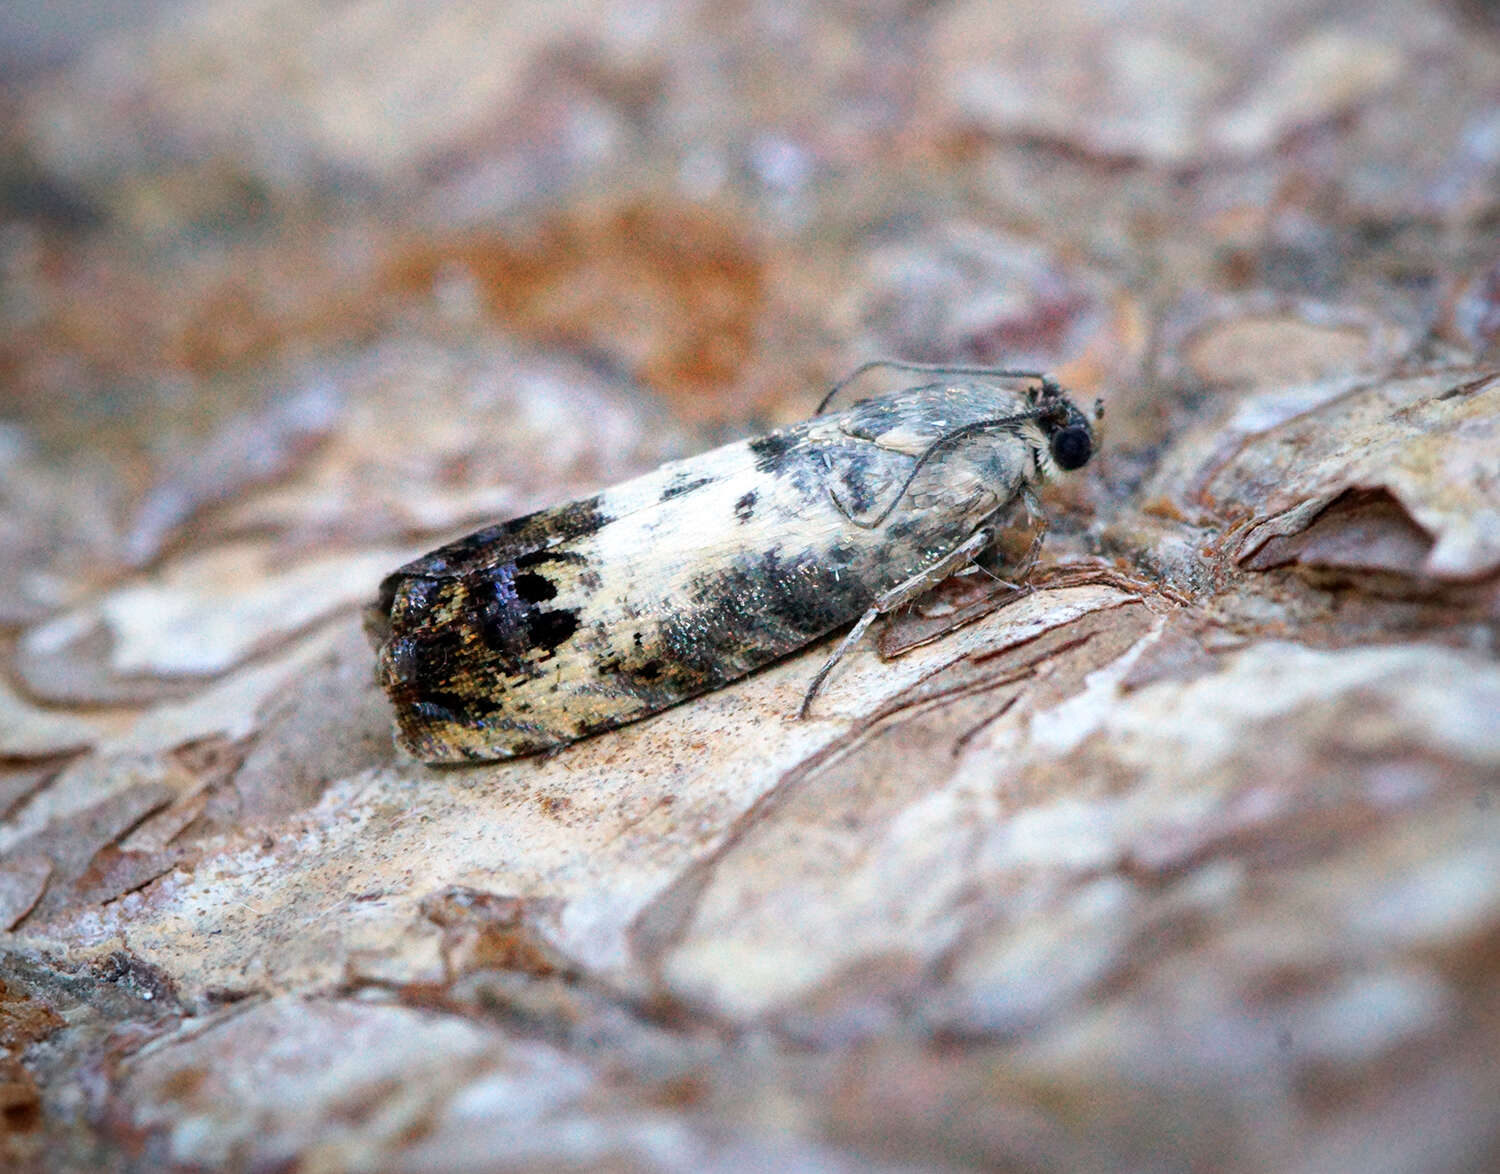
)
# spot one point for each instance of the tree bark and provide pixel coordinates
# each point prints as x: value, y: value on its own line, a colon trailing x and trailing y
x: 1186, y: 857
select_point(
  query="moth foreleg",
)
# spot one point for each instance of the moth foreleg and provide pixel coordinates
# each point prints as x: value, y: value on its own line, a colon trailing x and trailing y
x: 1037, y: 517
x: 897, y: 596
x: 1015, y: 578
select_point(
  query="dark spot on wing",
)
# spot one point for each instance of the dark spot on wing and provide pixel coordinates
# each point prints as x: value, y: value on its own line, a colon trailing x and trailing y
x: 683, y: 483
x: 433, y: 712
x: 739, y: 618
x: 650, y: 670
x: 858, y: 477
x: 510, y: 542
x: 771, y: 450
x: 534, y: 588
x: 496, y: 613
x: 745, y: 507
x: 804, y: 593
x: 403, y: 602
x: 427, y: 656
x: 539, y: 558
x: 548, y: 629
x: 446, y: 705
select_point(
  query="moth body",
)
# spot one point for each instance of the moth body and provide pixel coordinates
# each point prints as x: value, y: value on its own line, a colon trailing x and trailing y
x: 538, y: 631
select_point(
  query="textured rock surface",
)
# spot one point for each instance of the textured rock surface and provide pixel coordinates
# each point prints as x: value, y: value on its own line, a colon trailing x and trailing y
x: 1188, y: 859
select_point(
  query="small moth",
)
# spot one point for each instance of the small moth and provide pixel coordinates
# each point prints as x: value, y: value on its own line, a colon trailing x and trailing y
x: 539, y: 631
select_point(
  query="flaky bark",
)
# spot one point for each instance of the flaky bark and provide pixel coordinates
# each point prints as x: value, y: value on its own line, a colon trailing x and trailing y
x: 1186, y: 858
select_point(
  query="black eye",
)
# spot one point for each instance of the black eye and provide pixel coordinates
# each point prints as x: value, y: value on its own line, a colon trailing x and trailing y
x: 1072, y: 447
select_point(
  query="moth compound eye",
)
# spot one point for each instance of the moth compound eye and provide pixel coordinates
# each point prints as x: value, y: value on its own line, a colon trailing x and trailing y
x: 1072, y: 447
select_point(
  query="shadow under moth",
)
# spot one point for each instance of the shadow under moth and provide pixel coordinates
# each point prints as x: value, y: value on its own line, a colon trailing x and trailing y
x: 539, y: 631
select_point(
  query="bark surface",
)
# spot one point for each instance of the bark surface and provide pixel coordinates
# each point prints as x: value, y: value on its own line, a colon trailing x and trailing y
x: 1189, y: 858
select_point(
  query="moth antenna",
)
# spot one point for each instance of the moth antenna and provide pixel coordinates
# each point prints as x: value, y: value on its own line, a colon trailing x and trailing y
x: 941, y: 442
x: 934, y: 369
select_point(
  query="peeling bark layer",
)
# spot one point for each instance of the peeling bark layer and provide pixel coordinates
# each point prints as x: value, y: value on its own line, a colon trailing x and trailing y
x: 1188, y: 857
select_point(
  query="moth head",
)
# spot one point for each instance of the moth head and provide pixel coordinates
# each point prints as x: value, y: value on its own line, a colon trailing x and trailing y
x: 1069, y: 434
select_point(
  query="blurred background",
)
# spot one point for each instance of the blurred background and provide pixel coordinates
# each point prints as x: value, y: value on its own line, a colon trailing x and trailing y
x: 232, y: 232
x: 291, y: 292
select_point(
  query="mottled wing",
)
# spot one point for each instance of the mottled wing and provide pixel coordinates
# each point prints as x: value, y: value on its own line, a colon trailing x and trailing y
x: 540, y: 630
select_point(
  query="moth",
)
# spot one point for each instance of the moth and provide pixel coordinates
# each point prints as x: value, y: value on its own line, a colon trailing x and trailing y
x: 539, y: 631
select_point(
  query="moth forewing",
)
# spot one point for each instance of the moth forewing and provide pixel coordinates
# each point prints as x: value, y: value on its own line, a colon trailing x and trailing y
x: 577, y: 619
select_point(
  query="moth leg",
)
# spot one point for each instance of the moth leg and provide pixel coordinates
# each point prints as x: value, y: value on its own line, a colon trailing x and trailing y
x: 994, y: 578
x: 1037, y: 517
x: 897, y: 596
x: 1016, y: 580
